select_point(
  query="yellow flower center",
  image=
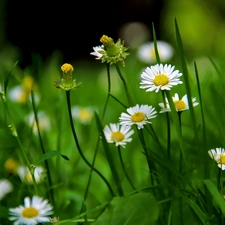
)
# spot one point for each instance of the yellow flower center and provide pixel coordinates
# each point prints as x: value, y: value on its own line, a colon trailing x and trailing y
x: 11, y: 165
x: 107, y: 41
x: 67, y: 70
x: 85, y: 115
x: 180, y: 105
x: 222, y: 159
x: 117, y: 136
x: 30, y: 212
x: 161, y: 80
x: 138, y: 117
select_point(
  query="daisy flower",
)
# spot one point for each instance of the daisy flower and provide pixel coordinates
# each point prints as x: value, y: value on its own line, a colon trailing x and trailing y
x: 146, y: 52
x: 25, y: 175
x: 180, y: 104
x: 160, y: 77
x: 120, y: 135
x: 97, y: 52
x: 5, y: 188
x: 110, y: 52
x: 34, y: 211
x: 218, y: 155
x: 138, y: 115
x: 83, y: 114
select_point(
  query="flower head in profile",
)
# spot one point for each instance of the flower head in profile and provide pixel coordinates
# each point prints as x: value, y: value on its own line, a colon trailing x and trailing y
x: 138, y: 115
x: 110, y: 52
x: 26, y: 176
x: 160, y: 77
x: 5, y: 188
x: 120, y: 135
x: 218, y: 155
x: 34, y: 211
x: 67, y: 82
x: 146, y: 52
x: 180, y: 104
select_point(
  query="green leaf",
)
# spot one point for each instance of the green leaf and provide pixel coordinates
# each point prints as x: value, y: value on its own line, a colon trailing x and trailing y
x: 141, y: 209
x: 50, y: 154
x: 218, y: 198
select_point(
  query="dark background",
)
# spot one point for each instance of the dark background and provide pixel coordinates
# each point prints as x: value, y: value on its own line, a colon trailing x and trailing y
x: 72, y: 27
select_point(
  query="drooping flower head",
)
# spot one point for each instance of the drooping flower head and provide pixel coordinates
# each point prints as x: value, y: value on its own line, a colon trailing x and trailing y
x: 160, y: 77
x: 110, y: 52
x: 146, y: 52
x: 180, y: 104
x: 120, y: 135
x: 218, y: 155
x: 34, y: 211
x: 5, y: 188
x: 67, y: 83
x: 138, y: 115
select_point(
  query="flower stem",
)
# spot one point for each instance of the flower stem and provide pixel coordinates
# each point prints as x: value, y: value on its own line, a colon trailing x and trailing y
x: 124, y: 170
x: 124, y: 84
x: 78, y: 145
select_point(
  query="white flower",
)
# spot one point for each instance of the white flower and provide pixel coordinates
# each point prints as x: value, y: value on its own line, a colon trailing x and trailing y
x: 43, y: 120
x: 118, y: 135
x: 97, y: 51
x: 34, y: 211
x: 146, y: 52
x: 18, y: 94
x: 180, y: 104
x: 218, y: 155
x: 25, y: 175
x: 5, y: 188
x: 83, y: 114
x: 160, y: 77
x: 138, y: 115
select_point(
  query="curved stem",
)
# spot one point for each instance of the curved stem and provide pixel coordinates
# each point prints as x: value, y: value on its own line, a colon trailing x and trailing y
x: 78, y: 145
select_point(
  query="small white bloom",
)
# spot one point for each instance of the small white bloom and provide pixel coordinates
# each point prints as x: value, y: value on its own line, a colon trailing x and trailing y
x: 18, y: 94
x: 34, y: 211
x: 25, y: 175
x: 146, y: 52
x: 83, y: 114
x: 138, y: 115
x: 43, y: 119
x: 160, y: 77
x: 5, y: 188
x: 218, y: 155
x: 180, y: 104
x: 97, y: 51
x: 120, y: 135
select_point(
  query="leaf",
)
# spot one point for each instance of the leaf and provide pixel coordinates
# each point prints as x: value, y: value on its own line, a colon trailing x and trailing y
x: 50, y: 154
x: 215, y: 194
x: 141, y: 209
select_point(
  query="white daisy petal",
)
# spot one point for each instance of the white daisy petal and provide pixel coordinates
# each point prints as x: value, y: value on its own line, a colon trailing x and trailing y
x: 35, y: 210
x: 160, y: 77
x: 118, y: 134
x: 180, y: 104
x: 218, y: 155
x: 138, y: 115
x: 5, y: 188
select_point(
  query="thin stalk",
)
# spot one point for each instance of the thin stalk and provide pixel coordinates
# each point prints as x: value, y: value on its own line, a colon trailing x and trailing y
x: 109, y: 90
x: 124, y: 84
x: 142, y: 139
x: 124, y: 169
x: 42, y: 148
x: 78, y: 145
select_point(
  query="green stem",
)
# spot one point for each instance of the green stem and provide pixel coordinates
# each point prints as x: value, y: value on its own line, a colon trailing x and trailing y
x: 109, y: 90
x: 124, y: 169
x: 124, y: 84
x: 43, y: 149
x: 78, y: 145
x: 142, y: 139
